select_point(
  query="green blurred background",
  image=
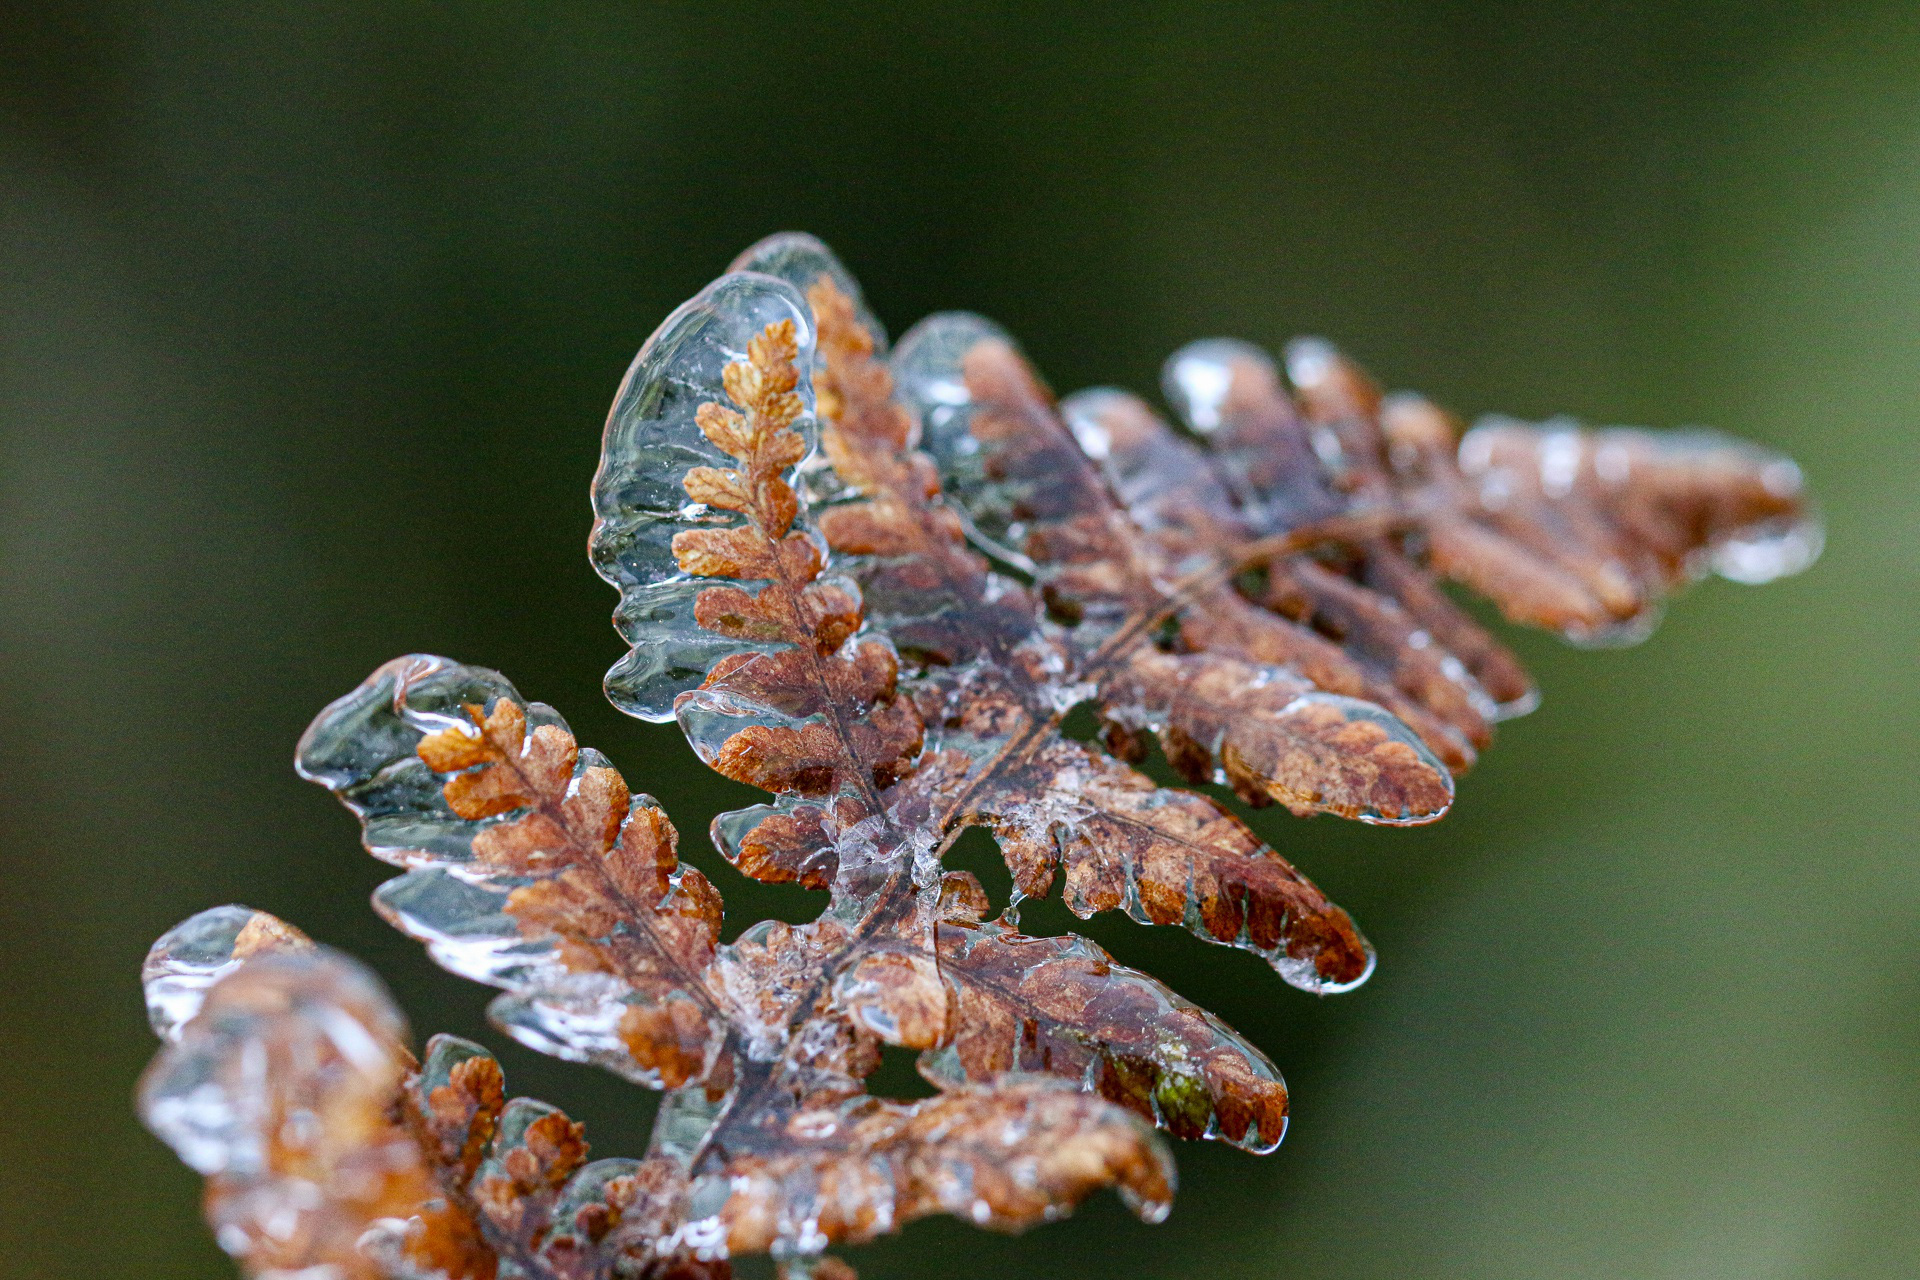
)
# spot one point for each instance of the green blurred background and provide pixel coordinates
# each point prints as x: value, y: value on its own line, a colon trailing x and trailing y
x: 309, y: 315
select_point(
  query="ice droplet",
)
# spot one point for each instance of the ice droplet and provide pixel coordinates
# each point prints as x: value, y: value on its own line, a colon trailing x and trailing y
x: 1760, y: 555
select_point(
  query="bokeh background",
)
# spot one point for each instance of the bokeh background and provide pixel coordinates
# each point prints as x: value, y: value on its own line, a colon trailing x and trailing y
x: 309, y: 315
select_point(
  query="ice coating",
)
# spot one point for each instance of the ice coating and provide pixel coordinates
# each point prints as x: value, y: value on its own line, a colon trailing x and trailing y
x: 535, y: 1199
x: 583, y: 1018
x: 1697, y: 501
x: 1178, y: 494
x: 801, y: 260
x: 1009, y: 1155
x: 325, y: 1018
x: 361, y: 748
x: 279, y: 1088
x: 796, y: 696
x: 930, y: 379
x: 1287, y: 471
x: 467, y: 928
x: 199, y: 951
x: 1062, y: 1005
x: 532, y: 868
x: 444, y: 1053
x: 639, y: 502
x: 1228, y: 393
x: 1166, y: 482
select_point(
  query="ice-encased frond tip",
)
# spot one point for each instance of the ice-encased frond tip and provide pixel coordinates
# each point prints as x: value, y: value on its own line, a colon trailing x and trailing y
x: 652, y: 439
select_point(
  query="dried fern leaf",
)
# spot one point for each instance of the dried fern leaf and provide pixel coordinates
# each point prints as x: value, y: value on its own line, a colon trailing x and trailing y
x: 1170, y: 857
x: 1062, y: 1006
x: 1229, y: 394
x: 1008, y: 1155
x: 887, y: 634
x: 1583, y: 533
x: 1175, y: 494
x: 276, y: 1081
x: 735, y: 628
x: 531, y: 867
x: 1026, y: 481
x: 606, y: 964
x: 286, y: 1080
x: 517, y: 1183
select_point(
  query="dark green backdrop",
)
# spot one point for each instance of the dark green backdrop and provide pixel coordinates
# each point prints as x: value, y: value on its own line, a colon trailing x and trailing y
x: 309, y: 315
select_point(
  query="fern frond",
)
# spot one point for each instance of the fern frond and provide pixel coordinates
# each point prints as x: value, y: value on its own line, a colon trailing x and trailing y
x: 876, y: 586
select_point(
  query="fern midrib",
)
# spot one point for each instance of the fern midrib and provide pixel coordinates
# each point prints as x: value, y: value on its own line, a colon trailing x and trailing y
x: 633, y: 915
x: 889, y: 905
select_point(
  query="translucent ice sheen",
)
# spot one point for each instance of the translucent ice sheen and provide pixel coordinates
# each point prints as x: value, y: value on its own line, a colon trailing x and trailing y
x: 272, y: 1042
x: 199, y: 951
x: 930, y: 380
x: 639, y: 502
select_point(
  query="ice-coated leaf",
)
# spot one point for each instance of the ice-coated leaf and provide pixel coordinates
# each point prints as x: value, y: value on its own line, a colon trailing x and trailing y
x: 1170, y: 857
x: 934, y: 597
x: 1682, y: 503
x: 1582, y: 532
x: 998, y: 721
x: 848, y: 1169
x: 279, y: 1089
x: 1177, y: 496
x: 539, y: 871
x: 765, y: 661
x: 517, y: 1182
x: 1116, y: 576
x: 1278, y: 466
x: 1007, y: 1155
x: 1274, y: 738
x: 1017, y: 681
x: 1030, y: 492
x: 888, y: 633
x: 654, y: 437
x: 1061, y: 1006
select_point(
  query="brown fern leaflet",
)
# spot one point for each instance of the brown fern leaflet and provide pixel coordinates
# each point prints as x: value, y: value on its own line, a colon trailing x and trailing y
x: 874, y: 586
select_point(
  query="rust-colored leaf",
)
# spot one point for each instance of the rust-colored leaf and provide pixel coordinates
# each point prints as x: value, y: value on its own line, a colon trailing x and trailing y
x: 1279, y: 740
x: 463, y: 1113
x: 1263, y: 449
x: 1052, y: 801
x: 1062, y: 1007
x: 282, y: 1088
x: 1583, y: 532
x: 1171, y: 559
x: 816, y: 715
x: 514, y: 1182
x: 568, y: 891
x: 1169, y: 857
x: 898, y: 995
x: 1004, y: 1156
